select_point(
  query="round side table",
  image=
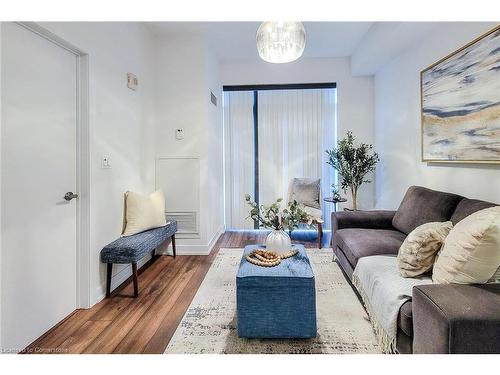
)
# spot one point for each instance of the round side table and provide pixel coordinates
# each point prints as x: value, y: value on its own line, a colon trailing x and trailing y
x: 334, y: 201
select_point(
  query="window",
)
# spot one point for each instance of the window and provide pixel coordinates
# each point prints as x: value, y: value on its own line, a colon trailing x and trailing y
x: 273, y: 134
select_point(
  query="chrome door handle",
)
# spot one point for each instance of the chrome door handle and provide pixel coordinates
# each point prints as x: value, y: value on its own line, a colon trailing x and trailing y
x: 70, y: 195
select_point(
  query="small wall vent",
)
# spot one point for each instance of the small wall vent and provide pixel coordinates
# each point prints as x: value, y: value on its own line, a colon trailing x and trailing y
x: 187, y: 222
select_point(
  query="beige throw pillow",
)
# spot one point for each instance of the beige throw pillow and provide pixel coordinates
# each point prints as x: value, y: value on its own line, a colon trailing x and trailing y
x: 418, y: 251
x: 471, y: 252
x: 143, y: 213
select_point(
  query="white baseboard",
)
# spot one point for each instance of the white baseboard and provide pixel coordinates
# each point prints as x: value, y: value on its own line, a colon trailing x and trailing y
x: 216, y: 236
x: 191, y: 250
x: 200, y: 249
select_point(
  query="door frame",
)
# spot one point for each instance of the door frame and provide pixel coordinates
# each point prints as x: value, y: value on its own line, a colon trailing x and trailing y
x: 83, y: 292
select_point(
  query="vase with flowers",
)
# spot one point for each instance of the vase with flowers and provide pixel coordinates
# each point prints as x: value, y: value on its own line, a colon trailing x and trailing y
x: 278, y: 219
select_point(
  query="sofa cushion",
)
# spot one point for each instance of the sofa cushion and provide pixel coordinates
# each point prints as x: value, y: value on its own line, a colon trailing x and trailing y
x: 467, y: 207
x: 405, y: 318
x: 418, y: 251
x: 421, y: 205
x: 470, y: 254
x: 356, y: 243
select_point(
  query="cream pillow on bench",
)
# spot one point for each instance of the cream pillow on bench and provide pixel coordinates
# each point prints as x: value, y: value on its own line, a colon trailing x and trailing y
x: 419, y: 249
x: 471, y: 252
x: 143, y: 213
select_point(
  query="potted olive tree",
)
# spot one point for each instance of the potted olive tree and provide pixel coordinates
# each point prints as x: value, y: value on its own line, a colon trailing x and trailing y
x: 352, y: 163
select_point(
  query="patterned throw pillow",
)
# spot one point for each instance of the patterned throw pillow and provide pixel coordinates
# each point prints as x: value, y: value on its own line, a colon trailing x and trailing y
x: 418, y: 251
x: 471, y: 252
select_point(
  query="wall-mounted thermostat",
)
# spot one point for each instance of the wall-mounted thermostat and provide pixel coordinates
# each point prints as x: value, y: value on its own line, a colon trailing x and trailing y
x: 179, y: 133
x: 132, y: 81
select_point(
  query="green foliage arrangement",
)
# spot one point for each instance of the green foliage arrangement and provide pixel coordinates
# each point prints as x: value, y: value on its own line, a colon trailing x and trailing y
x: 273, y: 217
x: 352, y: 163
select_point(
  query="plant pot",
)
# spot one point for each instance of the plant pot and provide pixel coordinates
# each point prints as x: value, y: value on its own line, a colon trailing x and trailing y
x: 279, y: 241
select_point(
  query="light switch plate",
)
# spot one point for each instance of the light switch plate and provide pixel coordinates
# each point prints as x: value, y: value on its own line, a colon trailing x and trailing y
x: 105, y: 162
x: 179, y: 133
x: 132, y: 81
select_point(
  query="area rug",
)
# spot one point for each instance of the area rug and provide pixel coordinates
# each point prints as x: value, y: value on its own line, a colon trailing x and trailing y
x: 209, y: 324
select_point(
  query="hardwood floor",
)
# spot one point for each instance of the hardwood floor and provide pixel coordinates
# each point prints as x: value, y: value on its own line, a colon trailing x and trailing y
x: 123, y: 324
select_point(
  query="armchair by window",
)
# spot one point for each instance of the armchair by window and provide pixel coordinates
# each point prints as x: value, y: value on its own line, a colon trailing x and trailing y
x: 307, y: 191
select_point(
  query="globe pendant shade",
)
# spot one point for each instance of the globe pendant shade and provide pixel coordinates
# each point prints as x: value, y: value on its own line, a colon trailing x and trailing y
x: 280, y: 42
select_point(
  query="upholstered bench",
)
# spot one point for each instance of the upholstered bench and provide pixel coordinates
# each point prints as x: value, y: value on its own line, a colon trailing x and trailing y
x: 276, y: 302
x: 131, y: 249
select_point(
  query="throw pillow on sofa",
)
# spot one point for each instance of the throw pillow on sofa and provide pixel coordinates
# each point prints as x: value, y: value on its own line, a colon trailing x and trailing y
x: 471, y: 252
x: 143, y: 213
x: 418, y: 251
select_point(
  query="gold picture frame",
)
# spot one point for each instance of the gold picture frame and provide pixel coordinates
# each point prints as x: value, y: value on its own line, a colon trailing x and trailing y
x: 446, y: 128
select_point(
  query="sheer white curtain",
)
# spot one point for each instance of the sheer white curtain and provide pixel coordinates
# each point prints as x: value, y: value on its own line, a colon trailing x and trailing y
x: 295, y: 129
x: 240, y: 150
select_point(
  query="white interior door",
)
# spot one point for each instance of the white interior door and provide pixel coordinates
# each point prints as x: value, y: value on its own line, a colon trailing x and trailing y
x: 39, y: 129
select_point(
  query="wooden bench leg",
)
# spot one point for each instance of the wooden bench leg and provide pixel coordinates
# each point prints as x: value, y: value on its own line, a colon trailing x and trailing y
x: 109, y: 272
x: 173, y: 243
x: 320, y: 234
x: 134, y: 276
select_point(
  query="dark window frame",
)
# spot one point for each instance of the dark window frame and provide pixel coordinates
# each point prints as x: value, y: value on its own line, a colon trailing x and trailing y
x: 285, y: 86
x: 256, y: 223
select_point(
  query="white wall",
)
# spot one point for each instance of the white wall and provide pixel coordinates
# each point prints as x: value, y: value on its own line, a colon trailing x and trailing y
x: 355, y: 96
x: 173, y: 86
x: 121, y: 125
x: 397, y: 124
x: 1, y: 23
x: 215, y: 150
x: 185, y: 72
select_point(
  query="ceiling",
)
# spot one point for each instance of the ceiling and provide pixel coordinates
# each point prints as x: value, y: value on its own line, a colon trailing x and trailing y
x: 369, y: 44
x: 236, y: 40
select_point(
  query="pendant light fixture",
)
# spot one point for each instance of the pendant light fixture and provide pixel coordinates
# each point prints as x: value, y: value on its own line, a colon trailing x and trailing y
x: 280, y: 42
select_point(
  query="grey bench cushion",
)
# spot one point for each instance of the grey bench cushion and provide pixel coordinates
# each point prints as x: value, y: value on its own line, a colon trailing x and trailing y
x: 132, y: 248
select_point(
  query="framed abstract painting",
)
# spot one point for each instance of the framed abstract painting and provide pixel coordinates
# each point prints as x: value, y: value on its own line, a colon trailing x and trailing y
x: 460, y: 97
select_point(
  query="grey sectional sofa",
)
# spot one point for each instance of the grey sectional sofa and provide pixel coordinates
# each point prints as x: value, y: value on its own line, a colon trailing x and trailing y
x: 439, y: 318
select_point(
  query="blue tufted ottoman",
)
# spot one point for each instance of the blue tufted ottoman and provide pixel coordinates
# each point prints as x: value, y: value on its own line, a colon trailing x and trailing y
x: 276, y: 302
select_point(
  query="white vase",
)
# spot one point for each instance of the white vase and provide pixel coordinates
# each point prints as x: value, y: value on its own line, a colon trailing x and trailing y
x: 279, y: 241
